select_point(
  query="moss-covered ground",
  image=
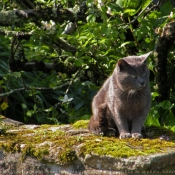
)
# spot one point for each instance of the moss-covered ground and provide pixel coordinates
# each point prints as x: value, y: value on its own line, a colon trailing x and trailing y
x: 81, y: 124
x: 59, y: 146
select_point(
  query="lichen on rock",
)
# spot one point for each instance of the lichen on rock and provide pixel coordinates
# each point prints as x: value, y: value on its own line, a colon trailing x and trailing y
x: 65, y: 145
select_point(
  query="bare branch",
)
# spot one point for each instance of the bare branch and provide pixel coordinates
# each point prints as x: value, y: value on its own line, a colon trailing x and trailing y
x: 12, y: 91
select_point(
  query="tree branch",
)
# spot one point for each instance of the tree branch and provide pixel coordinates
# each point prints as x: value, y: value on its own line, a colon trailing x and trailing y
x: 65, y: 46
x: 31, y: 87
x: 12, y: 91
x: 8, y: 18
x: 41, y: 66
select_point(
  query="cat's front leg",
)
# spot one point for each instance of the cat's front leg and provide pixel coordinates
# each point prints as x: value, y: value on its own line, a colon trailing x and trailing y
x: 137, y: 125
x: 123, y: 128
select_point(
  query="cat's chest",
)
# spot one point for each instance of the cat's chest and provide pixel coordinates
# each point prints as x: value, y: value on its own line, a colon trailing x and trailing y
x: 127, y: 108
x: 127, y: 102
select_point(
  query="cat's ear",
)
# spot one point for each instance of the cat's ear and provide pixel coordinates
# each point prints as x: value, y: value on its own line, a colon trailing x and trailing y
x: 144, y: 57
x: 122, y: 64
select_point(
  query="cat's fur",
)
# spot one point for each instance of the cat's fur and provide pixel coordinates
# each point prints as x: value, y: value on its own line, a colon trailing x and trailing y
x: 123, y: 102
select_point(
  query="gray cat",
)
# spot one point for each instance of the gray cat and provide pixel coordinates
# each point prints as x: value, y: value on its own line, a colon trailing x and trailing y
x: 123, y: 102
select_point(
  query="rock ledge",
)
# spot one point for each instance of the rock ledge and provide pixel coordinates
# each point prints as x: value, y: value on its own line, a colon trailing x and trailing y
x: 64, y: 149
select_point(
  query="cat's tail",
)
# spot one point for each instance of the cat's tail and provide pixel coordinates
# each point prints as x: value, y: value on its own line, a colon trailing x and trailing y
x: 99, y: 124
x: 94, y: 126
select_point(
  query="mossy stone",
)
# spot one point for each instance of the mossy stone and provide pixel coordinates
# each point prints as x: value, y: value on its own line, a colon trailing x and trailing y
x: 59, y: 146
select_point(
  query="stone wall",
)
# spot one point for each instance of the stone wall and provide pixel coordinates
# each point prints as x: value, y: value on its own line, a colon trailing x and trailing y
x: 64, y: 149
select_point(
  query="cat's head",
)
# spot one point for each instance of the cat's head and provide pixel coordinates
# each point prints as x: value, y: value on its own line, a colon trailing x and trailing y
x: 132, y: 73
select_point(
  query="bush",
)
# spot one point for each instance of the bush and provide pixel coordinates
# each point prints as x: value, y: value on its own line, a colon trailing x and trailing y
x: 80, y: 42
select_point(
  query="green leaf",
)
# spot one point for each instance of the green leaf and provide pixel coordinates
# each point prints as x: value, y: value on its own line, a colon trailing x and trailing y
x: 154, y: 95
x: 30, y: 113
x: 152, y: 118
x: 144, y: 3
x: 85, y: 117
x: 119, y: 3
x: 173, y: 128
x: 165, y: 104
x: 79, y: 105
x: 147, y: 40
x: 24, y: 106
x: 1, y: 82
x: 170, y: 119
x: 122, y: 36
x: 128, y: 3
x: 130, y: 11
x: 91, y: 18
x: 115, y: 7
x: 78, y: 62
x: 126, y: 43
x: 131, y: 3
x: 35, y: 108
x: 16, y: 74
x: 166, y: 8
x: 43, y: 119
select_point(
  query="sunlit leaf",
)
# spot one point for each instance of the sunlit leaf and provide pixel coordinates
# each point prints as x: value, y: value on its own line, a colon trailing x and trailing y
x: 91, y: 18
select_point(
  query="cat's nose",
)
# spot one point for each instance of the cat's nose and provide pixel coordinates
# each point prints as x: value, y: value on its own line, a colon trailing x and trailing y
x: 142, y: 83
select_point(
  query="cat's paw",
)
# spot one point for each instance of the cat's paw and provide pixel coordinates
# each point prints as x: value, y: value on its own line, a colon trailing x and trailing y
x: 137, y: 135
x: 111, y: 132
x: 125, y: 135
x: 96, y: 130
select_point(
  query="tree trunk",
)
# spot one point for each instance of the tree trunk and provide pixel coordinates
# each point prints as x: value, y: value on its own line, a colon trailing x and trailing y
x: 165, y: 41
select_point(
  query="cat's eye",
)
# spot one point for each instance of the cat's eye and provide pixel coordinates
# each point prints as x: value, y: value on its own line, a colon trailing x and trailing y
x: 134, y: 76
x: 144, y: 75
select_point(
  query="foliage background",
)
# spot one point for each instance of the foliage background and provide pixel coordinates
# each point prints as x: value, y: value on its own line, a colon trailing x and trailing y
x: 82, y: 40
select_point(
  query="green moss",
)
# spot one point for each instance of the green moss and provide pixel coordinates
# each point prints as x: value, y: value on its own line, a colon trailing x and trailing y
x: 81, y: 124
x: 3, y: 128
x: 40, y: 143
x: 58, y: 146
x: 2, y: 117
x: 125, y: 148
x: 67, y: 156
